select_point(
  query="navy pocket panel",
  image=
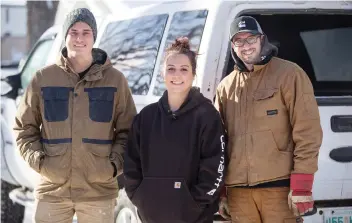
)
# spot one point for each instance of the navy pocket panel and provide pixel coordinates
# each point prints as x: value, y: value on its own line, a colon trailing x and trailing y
x: 56, y: 101
x: 56, y: 141
x: 97, y: 141
x: 101, y: 103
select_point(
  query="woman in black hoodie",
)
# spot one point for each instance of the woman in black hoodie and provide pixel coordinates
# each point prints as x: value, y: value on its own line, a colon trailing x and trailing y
x: 175, y: 158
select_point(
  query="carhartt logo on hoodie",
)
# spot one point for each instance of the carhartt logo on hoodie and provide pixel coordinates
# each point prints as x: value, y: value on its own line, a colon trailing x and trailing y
x: 177, y: 185
x: 220, y: 168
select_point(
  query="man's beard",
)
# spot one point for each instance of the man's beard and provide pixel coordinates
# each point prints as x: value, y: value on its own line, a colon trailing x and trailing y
x: 253, y: 59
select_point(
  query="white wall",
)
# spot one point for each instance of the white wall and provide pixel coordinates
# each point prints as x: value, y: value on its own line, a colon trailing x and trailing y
x: 14, y: 20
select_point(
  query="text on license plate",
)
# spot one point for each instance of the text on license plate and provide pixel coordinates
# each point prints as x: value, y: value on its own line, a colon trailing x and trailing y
x: 338, y: 216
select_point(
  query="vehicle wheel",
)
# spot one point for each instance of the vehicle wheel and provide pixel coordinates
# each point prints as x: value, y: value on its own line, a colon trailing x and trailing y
x: 125, y: 211
x: 10, y: 212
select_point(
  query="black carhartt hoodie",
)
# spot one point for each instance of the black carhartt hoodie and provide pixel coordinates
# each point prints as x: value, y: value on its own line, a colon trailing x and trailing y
x: 175, y: 161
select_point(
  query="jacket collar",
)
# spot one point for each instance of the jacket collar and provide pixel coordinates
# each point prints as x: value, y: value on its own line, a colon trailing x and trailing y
x: 101, y: 63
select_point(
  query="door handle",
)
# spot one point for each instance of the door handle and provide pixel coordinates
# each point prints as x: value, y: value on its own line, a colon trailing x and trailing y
x: 341, y: 123
x: 342, y: 154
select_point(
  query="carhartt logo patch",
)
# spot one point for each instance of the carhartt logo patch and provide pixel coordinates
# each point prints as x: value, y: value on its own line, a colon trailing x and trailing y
x: 177, y: 185
x: 242, y: 24
x: 272, y: 112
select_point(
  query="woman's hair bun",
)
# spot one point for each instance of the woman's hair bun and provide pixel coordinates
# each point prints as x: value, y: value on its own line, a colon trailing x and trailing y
x: 181, y: 42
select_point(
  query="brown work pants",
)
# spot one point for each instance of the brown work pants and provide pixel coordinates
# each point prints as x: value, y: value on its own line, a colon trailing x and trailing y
x: 63, y: 211
x: 260, y: 205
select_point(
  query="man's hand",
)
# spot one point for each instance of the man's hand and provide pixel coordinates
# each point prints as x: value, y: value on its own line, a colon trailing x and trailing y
x: 224, y: 208
x: 300, y: 199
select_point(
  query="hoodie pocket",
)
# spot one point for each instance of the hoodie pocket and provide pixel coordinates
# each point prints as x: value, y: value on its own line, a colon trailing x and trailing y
x: 101, y: 103
x: 56, y: 164
x: 98, y: 166
x: 162, y: 199
x: 56, y: 103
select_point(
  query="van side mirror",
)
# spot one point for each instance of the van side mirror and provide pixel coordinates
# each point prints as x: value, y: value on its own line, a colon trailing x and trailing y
x: 11, y: 85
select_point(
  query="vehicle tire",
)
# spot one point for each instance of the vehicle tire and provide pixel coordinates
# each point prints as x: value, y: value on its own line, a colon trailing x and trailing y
x: 125, y: 211
x: 10, y: 212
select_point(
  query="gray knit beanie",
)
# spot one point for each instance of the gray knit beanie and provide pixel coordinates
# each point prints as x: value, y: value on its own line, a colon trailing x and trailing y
x: 80, y: 15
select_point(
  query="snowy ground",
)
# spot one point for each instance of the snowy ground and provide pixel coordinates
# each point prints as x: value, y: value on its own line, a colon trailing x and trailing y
x: 28, y: 216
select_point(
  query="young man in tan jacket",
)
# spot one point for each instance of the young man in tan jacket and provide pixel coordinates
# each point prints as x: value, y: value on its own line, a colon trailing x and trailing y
x: 72, y: 127
x: 272, y: 121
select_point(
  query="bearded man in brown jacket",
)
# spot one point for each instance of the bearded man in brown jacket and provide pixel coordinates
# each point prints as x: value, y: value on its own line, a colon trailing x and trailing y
x: 272, y: 121
x: 72, y: 127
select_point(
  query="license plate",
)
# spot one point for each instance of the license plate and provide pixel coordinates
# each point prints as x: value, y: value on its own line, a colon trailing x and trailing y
x: 338, y: 216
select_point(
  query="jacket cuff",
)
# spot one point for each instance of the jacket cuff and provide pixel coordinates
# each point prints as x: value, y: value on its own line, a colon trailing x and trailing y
x: 301, y: 182
x: 36, y: 159
x: 223, y: 192
x: 117, y: 160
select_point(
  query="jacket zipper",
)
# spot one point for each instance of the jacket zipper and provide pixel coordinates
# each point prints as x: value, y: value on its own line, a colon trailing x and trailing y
x: 246, y: 81
x: 72, y: 133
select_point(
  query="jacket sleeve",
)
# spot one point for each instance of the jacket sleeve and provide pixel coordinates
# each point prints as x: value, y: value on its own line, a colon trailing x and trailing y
x: 126, y: 110
x: 305, y: 121
x: 212, y: 161
x: 27, y: 126
x: 220, y: 104
x: 132, y: 165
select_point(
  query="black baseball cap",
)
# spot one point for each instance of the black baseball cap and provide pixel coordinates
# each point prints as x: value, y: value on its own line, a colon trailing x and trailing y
x: 245, y: 24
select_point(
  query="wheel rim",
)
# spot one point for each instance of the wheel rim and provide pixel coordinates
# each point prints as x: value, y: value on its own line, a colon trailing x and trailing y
x: 126, y: 215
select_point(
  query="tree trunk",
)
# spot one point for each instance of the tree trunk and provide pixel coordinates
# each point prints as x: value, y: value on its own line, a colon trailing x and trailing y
x: 40, y: 16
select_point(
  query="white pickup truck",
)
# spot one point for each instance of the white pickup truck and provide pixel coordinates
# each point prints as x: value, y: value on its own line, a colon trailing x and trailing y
x: 315, y: 35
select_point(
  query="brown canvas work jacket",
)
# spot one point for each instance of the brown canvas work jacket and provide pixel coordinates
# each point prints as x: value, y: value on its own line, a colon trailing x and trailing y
x: 272, y: 122
x: 78, y: 126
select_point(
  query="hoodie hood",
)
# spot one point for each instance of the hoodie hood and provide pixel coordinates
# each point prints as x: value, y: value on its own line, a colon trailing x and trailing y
x: 193, y: 100
x: 100, y: 61
x: 268, y: 51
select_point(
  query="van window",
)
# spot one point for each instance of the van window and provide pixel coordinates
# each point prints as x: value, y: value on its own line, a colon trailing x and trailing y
x: 185, y: 23
x: 36, y: 61
x: 133, y: 46
x: 329, y: 51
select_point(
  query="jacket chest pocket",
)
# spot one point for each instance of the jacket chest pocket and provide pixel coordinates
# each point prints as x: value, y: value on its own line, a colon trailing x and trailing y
x: 266, y: 104
x: 269, y: 110
x: 56, y: 101
x: 101, y: 103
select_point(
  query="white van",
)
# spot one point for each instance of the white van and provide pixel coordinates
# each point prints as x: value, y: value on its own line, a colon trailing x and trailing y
x: 315, y: 35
